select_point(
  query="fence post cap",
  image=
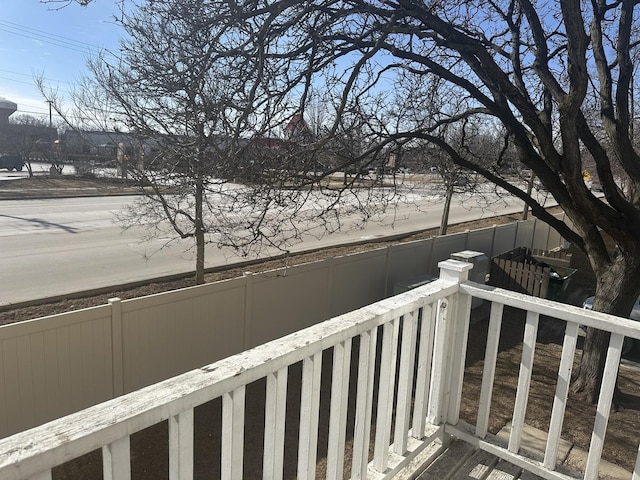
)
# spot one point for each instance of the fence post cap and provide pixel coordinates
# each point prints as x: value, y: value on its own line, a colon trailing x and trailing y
x: 454, y: 270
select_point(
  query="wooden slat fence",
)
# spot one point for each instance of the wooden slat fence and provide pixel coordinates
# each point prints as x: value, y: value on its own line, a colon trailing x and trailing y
x: 520, y: 277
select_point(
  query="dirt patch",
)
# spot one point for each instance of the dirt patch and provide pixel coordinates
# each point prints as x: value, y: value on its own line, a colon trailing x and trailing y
x: 65, y: 186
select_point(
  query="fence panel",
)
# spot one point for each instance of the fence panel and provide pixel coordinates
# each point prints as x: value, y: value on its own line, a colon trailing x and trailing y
x: 167, y: 334
x: 525, y: 232
x: 358, y: 280
x: 53, y: 366
x: 481, y: 240
x: 407, y: 261
x: 520, y: 277
x: 504, y: 239
x: 287, y: 300
x: 444, y: 246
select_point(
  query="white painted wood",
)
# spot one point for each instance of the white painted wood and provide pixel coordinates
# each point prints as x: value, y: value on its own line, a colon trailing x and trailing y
x: 274, y: 424
x: 492, y: 444
x: 636, y: 470
x: 364, y: 399
x: 41, y: 448
x: 562, y: 392
x: 181, y: 446
x: 458, y: 342
x: 489, y: 369
x: 423, y: 373
x: 116, y: 460
x: 309, y: 411
x: 338, y: 410
x: 232, y: 434
x: 524, y: 380
x: 440, y: 365
x: 385, y: 395
x: 571, y: 313
x: 405, y: 383
x: 84, y: 431
x: 603, y: 409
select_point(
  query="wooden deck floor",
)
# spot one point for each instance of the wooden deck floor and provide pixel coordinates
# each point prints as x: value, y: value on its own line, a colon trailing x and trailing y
x: 463, y: 461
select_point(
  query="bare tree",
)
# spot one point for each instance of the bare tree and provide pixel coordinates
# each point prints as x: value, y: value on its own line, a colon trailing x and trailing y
x: 534, y: 69
x: 30, y: 137
x: 201, y: 125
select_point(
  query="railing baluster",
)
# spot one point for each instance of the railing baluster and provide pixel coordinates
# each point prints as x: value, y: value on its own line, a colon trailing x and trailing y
x: 524, y: 380
x: 385, y: 395
x: 562, y: 392
x: 232, y: 434
x: 116, y: 460
x: 423, y: 375
x: 609, y: 377
x: 364, y: 400
x: 338, y: 413
x: 405, y: 382
x: 181, y: 446
x: 489, y: 370
x: 309, y: 410
x: 274, y: 420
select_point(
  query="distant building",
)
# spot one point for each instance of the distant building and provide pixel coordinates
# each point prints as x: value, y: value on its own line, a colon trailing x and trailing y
x: 7, y: 107
x: 297, y: 129
x: 25, y: 137
x: 97, y: 143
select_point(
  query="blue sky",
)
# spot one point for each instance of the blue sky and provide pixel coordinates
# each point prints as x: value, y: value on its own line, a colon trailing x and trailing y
x: 35, y: 39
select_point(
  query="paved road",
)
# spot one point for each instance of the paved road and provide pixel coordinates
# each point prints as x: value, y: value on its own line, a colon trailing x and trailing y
x: 55, y: 246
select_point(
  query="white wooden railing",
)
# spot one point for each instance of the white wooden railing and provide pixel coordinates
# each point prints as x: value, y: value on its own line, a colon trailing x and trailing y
x: 408, y: 353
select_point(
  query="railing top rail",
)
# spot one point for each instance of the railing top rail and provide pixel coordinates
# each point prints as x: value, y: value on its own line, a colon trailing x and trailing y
x: 41, y: 448
x: 571, y: 313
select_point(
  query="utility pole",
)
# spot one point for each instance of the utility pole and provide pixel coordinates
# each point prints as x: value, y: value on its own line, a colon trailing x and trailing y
x: 50, y: 117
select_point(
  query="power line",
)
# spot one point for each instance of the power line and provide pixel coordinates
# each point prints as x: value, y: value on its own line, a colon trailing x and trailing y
x: 31, y: 84
x: 36, y: 34
x: 31, y: 76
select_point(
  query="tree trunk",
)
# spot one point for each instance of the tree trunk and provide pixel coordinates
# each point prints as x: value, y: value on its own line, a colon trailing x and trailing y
x: 525, y: 210
x: 615, y: 294
x: 199, y: 232
x: 589, y: 376
x: 444, y: 221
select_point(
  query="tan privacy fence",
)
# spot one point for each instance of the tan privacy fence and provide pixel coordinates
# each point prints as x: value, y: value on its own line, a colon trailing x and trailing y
x: 56, y: 365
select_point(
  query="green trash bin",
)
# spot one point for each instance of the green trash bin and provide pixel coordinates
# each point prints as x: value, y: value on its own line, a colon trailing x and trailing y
x: 559, y: 278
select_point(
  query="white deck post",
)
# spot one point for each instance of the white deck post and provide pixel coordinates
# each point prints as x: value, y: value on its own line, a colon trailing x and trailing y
x: 449, y: 346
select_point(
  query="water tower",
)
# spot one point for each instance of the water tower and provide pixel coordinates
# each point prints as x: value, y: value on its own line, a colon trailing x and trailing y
x: 7, y: 107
